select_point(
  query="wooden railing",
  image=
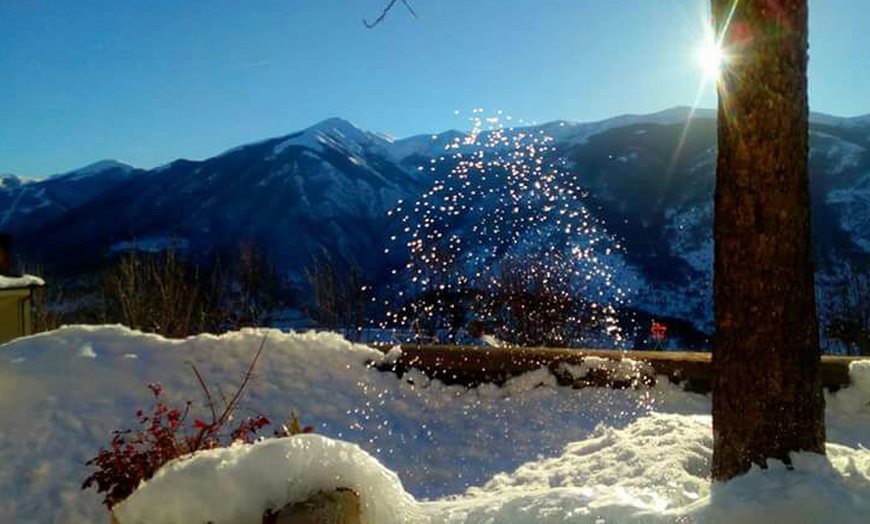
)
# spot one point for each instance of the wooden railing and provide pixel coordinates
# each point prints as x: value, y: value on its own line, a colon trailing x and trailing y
x: 473, y: 365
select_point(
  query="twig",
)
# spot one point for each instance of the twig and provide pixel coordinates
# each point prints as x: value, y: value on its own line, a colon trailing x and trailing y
x: 222, y: 395
x: 217, y: 422
x: 205, y: 391
x: 386, y: 10
x: 232, y: 404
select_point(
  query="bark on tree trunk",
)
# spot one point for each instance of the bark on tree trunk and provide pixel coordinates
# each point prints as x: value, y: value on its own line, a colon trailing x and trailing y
x: 767, y: 397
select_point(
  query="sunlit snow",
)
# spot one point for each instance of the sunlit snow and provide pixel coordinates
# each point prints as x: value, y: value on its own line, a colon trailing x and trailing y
x: 527, y: 452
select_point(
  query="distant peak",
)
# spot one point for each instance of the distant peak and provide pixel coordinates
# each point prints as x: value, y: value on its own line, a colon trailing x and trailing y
x: 333, y: 122
x: 103, y: 165
x: 96, y: 168
x: 670, y: 116
x: 339, y: 128
x: 673, y: 115
x: 8, y: 180
x: 839, y: 121
x: 337, y: 124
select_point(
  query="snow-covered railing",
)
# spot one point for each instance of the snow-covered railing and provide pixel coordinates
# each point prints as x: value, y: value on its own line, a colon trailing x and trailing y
x: 473, y: 365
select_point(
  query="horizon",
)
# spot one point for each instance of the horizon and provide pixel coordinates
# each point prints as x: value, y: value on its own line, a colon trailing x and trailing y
x: 256, y: 140
x: 146, y: 83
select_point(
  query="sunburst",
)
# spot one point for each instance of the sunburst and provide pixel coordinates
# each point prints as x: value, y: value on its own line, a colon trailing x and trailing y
x: 710, y: 56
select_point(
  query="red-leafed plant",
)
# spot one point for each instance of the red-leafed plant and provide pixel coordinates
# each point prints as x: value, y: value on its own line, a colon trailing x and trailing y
x: 166, y: 434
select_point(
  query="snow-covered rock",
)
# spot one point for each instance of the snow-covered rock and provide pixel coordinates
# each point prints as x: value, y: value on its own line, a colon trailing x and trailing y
x: 238, y: 484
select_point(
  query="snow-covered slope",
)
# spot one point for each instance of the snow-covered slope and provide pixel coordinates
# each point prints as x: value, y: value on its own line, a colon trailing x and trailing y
x: 327, y: 187
x: 27, y: 203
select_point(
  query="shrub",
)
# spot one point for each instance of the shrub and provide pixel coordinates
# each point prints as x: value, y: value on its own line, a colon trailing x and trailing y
x: 166, y: 434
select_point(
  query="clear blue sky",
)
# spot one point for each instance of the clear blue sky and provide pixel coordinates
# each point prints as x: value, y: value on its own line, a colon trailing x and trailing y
x: 147, y: 81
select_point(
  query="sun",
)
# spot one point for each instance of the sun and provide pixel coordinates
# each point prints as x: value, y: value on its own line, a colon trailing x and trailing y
x: 710, y: 57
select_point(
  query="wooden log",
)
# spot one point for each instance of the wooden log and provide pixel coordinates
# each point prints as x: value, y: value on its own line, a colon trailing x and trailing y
x: 474, y: 365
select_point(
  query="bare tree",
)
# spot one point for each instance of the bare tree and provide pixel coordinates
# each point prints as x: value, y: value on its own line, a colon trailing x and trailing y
x: 850, y: 313
x: 767, y: 396
x: 338, y: 294
x: 535, y: 308
x: 254, y: 289
x: 162, y: 293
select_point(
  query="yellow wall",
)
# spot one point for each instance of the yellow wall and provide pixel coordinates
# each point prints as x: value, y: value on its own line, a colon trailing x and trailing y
x: 15, y: 314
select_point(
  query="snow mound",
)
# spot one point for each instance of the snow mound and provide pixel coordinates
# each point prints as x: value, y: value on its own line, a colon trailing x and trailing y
x: 819, y: 490
x: 859, y: 375
x: 238, y: 484
x: 656, y: 470
x: 657, y: 464
x: 855, y: 399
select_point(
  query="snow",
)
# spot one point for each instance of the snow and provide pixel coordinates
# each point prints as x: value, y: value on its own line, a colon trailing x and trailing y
x: 661, y: 462
x: 235, y: 484
x: 842, y: 154
x: 11, y: 182
x: 657, y: 470
x: 20, y: 282
x: 562, y: 131
x: 579, y: 133
x: 854, y: 203
x: 838, y: 121
x: 95, y: 169
x: 854, y: 399
x: 530, y: 451
x: 623, y: 370
x: 333, y: 133
x: 425, y: 145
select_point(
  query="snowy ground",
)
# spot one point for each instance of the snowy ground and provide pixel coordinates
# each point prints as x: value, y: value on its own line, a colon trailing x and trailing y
x: 527, y: 452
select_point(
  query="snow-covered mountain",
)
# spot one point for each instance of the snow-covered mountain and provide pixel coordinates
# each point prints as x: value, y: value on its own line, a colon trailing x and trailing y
x: 649, y: 178
x: 27, y: 203
x: 327, y: 187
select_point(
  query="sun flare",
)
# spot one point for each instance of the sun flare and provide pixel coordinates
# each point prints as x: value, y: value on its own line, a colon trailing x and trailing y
x: 710, y: 57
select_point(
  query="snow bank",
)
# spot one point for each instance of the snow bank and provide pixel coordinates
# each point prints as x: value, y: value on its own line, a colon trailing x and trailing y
x: 19, y: 282
x: 236, y: 484
x: 526, y: 452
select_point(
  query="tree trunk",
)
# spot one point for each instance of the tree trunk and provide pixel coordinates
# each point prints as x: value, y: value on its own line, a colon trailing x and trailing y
x: 767, y: 397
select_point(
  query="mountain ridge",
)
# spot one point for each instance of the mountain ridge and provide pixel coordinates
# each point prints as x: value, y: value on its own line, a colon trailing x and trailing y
x: 666, y: 116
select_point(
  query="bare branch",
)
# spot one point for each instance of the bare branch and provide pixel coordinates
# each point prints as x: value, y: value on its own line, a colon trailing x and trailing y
x: 386, y: 10
x: 205, y: 391
x: 233, y: 401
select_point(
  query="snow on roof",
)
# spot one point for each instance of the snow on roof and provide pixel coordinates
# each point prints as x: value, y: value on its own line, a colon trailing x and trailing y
x: 20, y: 282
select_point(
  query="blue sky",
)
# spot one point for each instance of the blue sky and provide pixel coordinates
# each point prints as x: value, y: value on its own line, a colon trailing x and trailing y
x: 148, y: 81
